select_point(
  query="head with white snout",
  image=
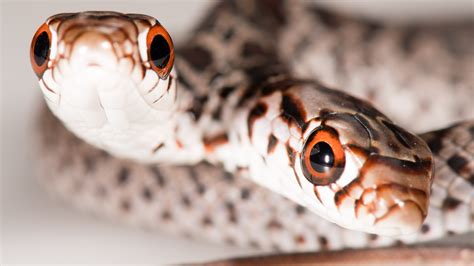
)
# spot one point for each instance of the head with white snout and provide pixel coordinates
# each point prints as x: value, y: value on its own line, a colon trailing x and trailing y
x: 102, y: 71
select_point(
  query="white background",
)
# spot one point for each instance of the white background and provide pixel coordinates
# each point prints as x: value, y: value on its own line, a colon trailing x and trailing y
x: 38, y: 229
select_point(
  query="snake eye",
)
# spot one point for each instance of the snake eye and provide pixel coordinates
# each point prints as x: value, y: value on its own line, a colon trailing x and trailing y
x: 40, y: 49
x: 323, y: 157
x: 160, y: 50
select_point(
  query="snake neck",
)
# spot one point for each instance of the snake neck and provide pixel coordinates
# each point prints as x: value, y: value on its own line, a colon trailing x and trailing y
x: 218, y: 70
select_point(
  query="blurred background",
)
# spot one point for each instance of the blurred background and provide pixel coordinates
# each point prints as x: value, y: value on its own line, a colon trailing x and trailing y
x: 37, y: 229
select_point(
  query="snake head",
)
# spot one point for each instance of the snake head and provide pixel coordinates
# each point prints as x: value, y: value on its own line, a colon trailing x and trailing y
x: 102, y: 59
x: 106, y: 74
x: 369, y: 173
x: 355, y: 166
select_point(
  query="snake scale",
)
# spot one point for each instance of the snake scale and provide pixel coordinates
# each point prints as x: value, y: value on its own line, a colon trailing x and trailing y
x: 244, y: 92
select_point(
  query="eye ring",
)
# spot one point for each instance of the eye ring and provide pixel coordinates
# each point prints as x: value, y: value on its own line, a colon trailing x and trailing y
x: 40, y: 49
x: 160, y: 50
x: 323, y: 158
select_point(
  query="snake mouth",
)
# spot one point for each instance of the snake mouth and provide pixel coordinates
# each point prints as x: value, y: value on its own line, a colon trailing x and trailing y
x: 392, y: 208
x: 389, y: 197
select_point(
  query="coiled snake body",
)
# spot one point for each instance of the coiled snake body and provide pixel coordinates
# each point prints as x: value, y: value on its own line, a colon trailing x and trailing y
x: 244, y: 98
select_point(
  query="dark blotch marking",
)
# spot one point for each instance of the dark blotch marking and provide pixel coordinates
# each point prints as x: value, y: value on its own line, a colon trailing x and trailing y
x: 399, y: 243
x: 425, y: 228
x: 249, y: 92
x: 229, y: 34
x: 147, y: 194
x: 229, y: 177
x: 253, y: 244
x: 217, y: 113
x: 450, y: 203
x: 339, y: 197
x: 300, y: 209
x: 226, y: 91
x: 200, y: 188
x: 186, y: 201
x: 258, y: 80
x: 275, y: 12
x: 245, y: 193
x: 198, y: 106
x: 373, y: 237
x: 323, y: 113
x: 198, y: 57
x: 123, y: 176
x: 323, y: 241
x: 183, y: 81
x: 206, y: 221
x: 435, y: 144
x: 159, y: 178
x: 272, y: 142
x: 282, y: 85
x: 252, y: 49
x: 471, y: 131
x: 166, y: 215
x: 274, y: 225
x: 457, y: 164
x: 125, y: 205
x: 329, y: 19
x: 257, y: 111
x: 89, y: 163
x: 407, y: 40
x: 372, y: 30
x: 232, y: 215
x: 293, y: 110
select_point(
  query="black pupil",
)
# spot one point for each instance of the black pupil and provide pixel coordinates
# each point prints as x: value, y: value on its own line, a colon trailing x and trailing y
x: 159, y: 51
x: 322, y: 157
x: 41, y: 49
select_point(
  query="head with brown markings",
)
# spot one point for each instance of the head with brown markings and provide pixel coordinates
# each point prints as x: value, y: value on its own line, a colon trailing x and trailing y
x: 102, y: 62
x: 358, y: 168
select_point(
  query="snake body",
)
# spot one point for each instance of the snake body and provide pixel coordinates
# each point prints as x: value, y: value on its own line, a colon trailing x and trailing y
x: 239, y: 104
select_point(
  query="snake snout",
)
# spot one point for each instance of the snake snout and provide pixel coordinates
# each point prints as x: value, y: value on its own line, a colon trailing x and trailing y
x: 394, y: 180
x: 395, y: 195
x: 92, y: 50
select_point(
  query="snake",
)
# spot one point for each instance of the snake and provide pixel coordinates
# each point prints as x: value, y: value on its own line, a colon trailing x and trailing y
x: 178, y: 140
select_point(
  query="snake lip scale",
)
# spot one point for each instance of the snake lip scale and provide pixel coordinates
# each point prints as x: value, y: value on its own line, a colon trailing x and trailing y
x: 232, y: 98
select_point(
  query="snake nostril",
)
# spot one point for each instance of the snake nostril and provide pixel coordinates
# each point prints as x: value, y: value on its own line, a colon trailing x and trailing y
x: 93, y: 64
